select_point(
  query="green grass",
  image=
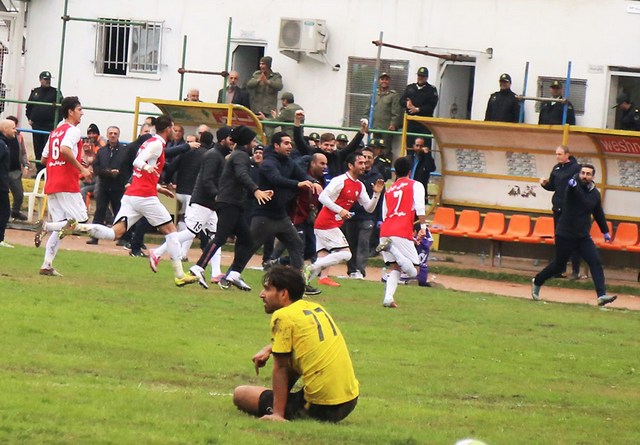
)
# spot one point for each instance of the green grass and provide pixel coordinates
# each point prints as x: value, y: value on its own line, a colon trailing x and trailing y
x: 112, y: 353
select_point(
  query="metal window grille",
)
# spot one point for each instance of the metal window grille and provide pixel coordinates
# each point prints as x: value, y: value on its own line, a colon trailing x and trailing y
x: 577, y: 92
x: 123, y: 48
x: 360, y: 78
x: 3, y: 89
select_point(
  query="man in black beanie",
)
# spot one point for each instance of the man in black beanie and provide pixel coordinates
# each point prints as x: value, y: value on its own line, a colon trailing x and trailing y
x: 233, y: 186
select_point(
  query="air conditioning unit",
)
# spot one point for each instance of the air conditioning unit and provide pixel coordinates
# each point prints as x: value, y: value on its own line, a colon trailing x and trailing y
x: 303, y: 35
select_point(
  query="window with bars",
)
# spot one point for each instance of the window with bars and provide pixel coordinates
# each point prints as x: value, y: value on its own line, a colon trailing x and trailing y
x: 577, y: 92
x: 127, y: 48
x: 360, y: 78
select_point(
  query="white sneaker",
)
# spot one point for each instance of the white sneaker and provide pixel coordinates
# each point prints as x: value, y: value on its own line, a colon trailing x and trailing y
x: 357, y: 275
x: 6, y: 244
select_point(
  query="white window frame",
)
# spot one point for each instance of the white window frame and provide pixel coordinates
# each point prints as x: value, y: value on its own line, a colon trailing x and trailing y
x: 131, y: 59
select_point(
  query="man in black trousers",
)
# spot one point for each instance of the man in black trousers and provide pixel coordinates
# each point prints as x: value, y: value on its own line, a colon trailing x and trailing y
x: 572, y: 233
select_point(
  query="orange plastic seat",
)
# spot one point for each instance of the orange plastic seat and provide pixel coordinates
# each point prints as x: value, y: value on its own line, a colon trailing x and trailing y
x: 635, y: 249
x: 444, y: 219
x: 494, y: 224
x: 596, y: 234
x: 626, y: 236
x: 519, y: 226
x: 543, y: 231
x: 468, y: 222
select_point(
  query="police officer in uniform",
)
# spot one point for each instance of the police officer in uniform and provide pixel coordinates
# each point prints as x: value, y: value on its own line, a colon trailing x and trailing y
x: 551, y: 112
x: 381, y: 162
x: 629, y: 114
x: 41, y: 117
x: 503, y: 106
x: 419, y: 99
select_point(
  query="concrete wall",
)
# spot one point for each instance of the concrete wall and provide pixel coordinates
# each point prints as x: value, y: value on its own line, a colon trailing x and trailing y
x: 593, y: 34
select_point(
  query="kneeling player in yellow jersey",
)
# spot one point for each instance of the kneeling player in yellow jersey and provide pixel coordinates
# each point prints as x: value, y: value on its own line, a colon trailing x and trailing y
x: 306, y: 343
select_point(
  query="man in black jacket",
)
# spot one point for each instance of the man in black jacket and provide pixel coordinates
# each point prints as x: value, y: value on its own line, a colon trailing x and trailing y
x: 233, y: 94
x: 551, y: 112
x: 503, y: 106
x: 572, y: 233
x: 566, y: 168
x: 419, y: 99
x: 234, y: 185
x: 41, y: 117
x: 422, y: 162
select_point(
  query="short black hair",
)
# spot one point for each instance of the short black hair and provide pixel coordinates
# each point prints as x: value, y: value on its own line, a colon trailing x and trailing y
x: 285, y: 277
x: 402, y: 167
x: 351, y: 158
x: 162, y: 123
x: 277, y: 137
x: 206, y: 138
x: 588, y: 166
x: 69, y: 104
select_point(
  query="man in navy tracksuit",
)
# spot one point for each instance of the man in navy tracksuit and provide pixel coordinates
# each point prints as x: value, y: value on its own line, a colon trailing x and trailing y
x: 572, y: 233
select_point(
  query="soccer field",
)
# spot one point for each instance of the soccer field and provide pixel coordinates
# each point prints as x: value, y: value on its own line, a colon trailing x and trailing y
x: 112, y: 353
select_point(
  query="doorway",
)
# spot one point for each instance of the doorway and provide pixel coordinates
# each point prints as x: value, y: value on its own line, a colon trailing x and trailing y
x: 627, y: 82
x: 456, y: 90
x: 245, y: 59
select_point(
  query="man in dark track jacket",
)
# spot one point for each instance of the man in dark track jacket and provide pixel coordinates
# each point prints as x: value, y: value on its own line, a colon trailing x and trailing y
x: 234, y: 185
x: 572, y: 233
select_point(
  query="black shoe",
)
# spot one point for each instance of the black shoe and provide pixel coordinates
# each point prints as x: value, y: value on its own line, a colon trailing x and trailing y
x: 122, y: 242
x: 92, y: 241
x: 308, y: 290
x: 138, y: 253
x: 143, y: 246
x: 19, y: 216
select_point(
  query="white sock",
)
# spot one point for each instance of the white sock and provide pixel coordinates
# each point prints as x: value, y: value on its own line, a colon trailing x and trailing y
x: 392, y: 285
x: 54, y: 226
x: 405, y: 263
x: 50, y: 250
x: 181, y: 237
x: 330, y: 260
x: 97, y: 231
x: 215, y: 263
x: 233, y: 275
x: 173, y: 248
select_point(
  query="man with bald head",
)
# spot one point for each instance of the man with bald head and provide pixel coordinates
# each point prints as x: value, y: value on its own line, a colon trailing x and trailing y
x: 233, y: 94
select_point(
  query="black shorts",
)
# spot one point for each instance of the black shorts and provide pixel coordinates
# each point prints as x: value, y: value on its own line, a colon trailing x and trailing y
x: 298, y: 407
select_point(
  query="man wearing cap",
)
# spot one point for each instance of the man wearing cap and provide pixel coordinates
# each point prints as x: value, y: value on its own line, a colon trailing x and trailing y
x: 263, y: 88
x: 42, y: 117
x: 287, y: 112
x: 381, y: 163
x: 503, y: 105
x: 233, y: 94
x: 341, y: 141
x: 314, y: 138
x: 551, y: 112
x: 630, y: 115
x: 387, y: 112
x: 419, y: 99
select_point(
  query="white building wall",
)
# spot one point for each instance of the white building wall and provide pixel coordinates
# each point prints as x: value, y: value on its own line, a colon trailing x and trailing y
x: 593, y: 34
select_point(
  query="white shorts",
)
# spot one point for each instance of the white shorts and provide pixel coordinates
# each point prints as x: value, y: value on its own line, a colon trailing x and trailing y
x: 199, y: 218
x: 184, y: 201
x: 133, y: 208
x: 330, y: 239
x: 406, y: 247
x: 66, y: 205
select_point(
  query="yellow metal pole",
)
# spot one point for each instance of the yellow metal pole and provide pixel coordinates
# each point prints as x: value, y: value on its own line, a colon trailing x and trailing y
x: 135, y: 119
x: 565, y: 135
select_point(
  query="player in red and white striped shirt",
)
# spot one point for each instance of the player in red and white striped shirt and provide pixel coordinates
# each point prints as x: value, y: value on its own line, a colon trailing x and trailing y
x: 61, y: 156
x: 402, y: 203
x: 338, y: 198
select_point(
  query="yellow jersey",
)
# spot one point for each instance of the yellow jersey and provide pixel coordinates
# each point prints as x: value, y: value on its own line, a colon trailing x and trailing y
x: 318, y: 350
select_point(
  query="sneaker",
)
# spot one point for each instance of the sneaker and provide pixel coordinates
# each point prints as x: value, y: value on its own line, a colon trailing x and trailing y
x: 606, y: 299
x: 50, y: 272
x: 217, y: 278
x: 357, y: 275
x: 224, y: 283
x: 266, y: 265
x: 574, y: 277
x: 92, y: 241
x: 6, y: 244
x: 139, y: 254
x: 68, y: 229
x: 184, y: 259
x: 391, y: 305
x: 328, y: 282
x: 306, y: 273
x: 535, y: 290
x: 153, y: 261
x: 199, y: 277
x: 37, y: 239
x: 19, y: 216
x: 384, y: 245
x: 239, y: 283
x: 427, y: 284
x: 143, y: 246
x: 187, y: 279
x: 122, y: 243
x: 308, y: 290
